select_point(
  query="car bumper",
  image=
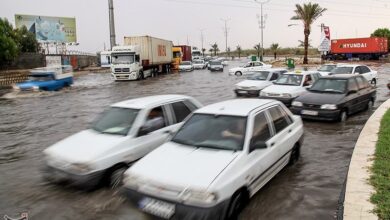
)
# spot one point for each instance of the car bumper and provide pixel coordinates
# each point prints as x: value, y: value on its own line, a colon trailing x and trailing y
x: 124, y: 76
x: 87, y: 181
x: 216, y: 69
x: 286, y: 101
x: 183, y: 211
x: 242, y: 92
x: 322, y: 114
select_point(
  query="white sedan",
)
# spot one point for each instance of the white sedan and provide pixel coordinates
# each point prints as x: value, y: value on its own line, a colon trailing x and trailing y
x: 222, y: 155
x: 370, y: 75
x: 248, y: 67
x: 186, y: 66
x: 199, y: 64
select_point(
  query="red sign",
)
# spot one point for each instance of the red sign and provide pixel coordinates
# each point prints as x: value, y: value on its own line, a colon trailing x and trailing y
x: 327, y: 32
x: 162, y: 52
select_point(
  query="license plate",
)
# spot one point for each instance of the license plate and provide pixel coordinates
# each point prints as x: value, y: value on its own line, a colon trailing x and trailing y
x: 157, y: 207
x: 242, y: 92
x: 308, y: 112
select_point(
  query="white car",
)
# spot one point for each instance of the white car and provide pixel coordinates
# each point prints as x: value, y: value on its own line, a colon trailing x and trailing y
x: 124, y: 133
x: 224, y: 61
x: 370, y: 75
x: 222, y: 155
x: 248, y: 67
x: 258, y: 81
x: 290, y: 85
x: 186, y: 66
x: 325, y: 69
x: 199, y: 64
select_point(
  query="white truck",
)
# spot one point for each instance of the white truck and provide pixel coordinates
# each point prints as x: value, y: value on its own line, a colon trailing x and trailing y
x: 140, y: 57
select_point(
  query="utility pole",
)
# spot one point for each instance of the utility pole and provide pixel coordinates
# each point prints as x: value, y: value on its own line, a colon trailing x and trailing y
x: 225, y: 31
x: 202, y: 39
x: 262, y: 25
x: 111, y: 23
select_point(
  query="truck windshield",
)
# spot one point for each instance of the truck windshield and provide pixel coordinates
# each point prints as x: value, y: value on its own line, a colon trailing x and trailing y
x: 176, y: 54
x: 341, y: 70
x: 116, y: 121
x: 122, y: 59
x: 289, y: 79
x: 41, y: 78
x: 213, y: 131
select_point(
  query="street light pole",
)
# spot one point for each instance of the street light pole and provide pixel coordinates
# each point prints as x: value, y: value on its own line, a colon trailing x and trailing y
x: 226, y: 30
x: 262, y: 26
x: 111, y: 23
x: 202, y: 39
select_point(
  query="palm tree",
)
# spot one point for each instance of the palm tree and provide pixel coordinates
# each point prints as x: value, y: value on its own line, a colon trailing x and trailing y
x: 274, y: 48
x: 238, y: 49
x: 302, y: 43
x: 258, y: 48
x: 211, y: 51
x: 307, y: 13
x: 228, y: 51
x: 203, y: 50
x: 215, y: 48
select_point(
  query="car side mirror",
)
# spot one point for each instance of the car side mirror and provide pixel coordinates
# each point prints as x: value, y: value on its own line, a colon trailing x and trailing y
x: 150, y: 126
x: 351, y: 92
x: 143, y: 130
x: 256, y: 145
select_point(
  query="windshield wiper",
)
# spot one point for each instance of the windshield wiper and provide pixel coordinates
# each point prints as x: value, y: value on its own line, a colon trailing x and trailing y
x: 180, y: 141
x: 213, y: 146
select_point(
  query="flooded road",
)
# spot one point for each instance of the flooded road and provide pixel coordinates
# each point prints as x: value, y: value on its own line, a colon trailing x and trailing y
x: 30, y: 123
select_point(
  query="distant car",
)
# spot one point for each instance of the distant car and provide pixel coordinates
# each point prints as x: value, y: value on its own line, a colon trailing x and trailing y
x: 325, y: 69
x: 215, y: 65
x: 123, y: 134
x: 186, y: 66
x: 47, y: 79
x: 220, y: 158
x: 290, y: 86
x: 248, y: 67
x: 224, y: 61
x: 257, y: 81
x: 199, y: 64
x: 335, y: 97
x: 370, y: 75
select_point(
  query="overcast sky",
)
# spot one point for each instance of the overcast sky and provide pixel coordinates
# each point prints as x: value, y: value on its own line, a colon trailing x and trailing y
x: 179, y: 20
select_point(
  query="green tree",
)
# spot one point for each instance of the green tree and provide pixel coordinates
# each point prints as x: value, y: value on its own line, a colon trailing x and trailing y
x: 238, y: 49
x: 307, y: 13
x: 203, y: 50
x: 215, y: 48
x: 257, y: 47
x: 26, y: 40
x: 8, y: 47
x: 274, y: 48
x: 382, y: 32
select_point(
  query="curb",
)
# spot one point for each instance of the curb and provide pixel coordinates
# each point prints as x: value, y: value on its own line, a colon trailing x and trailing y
x: 357, y: 203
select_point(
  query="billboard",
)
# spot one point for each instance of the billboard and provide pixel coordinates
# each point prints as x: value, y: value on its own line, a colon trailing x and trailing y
x: 49, y: 29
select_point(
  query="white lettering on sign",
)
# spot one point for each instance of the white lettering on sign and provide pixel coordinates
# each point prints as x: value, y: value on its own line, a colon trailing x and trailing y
x: 355, y: 45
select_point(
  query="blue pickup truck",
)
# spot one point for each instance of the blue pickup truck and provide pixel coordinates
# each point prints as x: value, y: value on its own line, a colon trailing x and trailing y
x: 47, y: 78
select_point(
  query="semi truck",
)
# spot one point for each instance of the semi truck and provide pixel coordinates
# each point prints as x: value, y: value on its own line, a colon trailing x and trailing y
x: 186, y: 52
x: 140, y: 57
x: 177, y: 56
x: 358, y: 48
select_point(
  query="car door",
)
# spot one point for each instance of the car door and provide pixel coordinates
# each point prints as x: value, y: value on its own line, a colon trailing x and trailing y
x: 257, y: 66
x: 367, y: 73
x: 180, y: 111
x: 363, y: 92
x: 351, y: 101
x: 248, y: 67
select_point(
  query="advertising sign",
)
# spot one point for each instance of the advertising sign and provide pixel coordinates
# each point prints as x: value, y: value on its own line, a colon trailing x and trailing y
x: 49, y: 29
x: 325, y: 40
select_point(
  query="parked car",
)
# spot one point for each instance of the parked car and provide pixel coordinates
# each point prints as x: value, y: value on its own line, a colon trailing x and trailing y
x: 215, y: 65
x: 186, y: 66
x: 248, y: 67
x: 124, y: 133
x: 335, y: 97
x: 325, y: 69
x: 222, y: 155
x: 199, y: 64
x: 224, y: 61
x: 363, y: 70
x: 47, y: 79
x: 257, y: 81
x: 289, y: 86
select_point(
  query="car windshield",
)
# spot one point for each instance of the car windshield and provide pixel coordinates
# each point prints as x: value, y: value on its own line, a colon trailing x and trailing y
x: 330, y: 85
x: 263, y: 75
x: 122, y: 59
x: 342, y: 70
x: 115, y: 120
x: 185, y: 63
x: 40, y: 78
x: 327, y: 68
x: 213, y: 131
x: 289, y: 79
x: 215, y: 63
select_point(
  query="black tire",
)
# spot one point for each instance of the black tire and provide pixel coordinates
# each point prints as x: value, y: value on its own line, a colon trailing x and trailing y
x: 115, y: 176
x: 295, y: 154
x: 370, y: 104
x: 238, y: 73
x: 237, y: 204
x: 343, y: 116
x: 373, y: 82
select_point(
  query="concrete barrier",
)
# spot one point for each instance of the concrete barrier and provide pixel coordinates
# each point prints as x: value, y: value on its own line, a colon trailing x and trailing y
x: 358, y: 192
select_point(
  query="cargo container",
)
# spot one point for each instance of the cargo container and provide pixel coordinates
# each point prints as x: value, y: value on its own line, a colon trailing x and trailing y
x: 186, y: 51
x: 361, y: 48
x: 140, y: 57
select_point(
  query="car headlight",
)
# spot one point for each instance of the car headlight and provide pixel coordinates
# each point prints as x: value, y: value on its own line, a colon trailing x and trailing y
x: 329, y: 106
x: 297, y: 104
x: 199, y: 198
x: 286, y: 95
x: 263, y: 93
x: 15, y: 87
x: 35, y: 88
x: 78, y: 168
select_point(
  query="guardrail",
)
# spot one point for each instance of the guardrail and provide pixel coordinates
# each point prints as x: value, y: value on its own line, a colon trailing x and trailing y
x: 10, y: 77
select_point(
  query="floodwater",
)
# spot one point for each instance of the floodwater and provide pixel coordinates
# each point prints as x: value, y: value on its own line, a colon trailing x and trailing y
x: 31, y: 122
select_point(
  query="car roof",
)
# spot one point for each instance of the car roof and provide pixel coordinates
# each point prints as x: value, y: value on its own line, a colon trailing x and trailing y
x: 350, y: 65
x: 235, y: 107
x: 298, y: 72
x: 339, y: 76
x: 148, y: 101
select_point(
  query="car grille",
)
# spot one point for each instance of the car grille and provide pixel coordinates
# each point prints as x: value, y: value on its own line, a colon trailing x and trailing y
x: 163, y: 190
x: 118, y: 70
x: 125, y: 70
x: 312, y: 106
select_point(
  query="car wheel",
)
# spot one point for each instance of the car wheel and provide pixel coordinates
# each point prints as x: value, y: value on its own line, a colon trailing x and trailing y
x: 373, y: 82
x: 370, y: 104
x: 295, y: 154
x: 237, y: 203
x: 116, y: 177
x: 238, y: 73
x: 343, y: 116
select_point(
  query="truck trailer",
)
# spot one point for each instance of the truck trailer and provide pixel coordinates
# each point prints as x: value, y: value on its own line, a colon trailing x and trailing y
x: 140, y: 57
x: 359, y: 48
x: 186, y: 52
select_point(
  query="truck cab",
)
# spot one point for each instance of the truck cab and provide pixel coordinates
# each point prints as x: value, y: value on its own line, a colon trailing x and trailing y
x: 126, y: 63
x: 177, y: 56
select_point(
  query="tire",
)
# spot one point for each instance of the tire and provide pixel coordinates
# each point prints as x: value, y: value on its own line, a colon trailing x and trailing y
x: 343, y: 116
x: 115, y: 177
x: 237, y: 203
x: 370, y: 104
x: 373, y: 82
x: 238, y: 73
x: 141, y: 75
x: 295, y: 154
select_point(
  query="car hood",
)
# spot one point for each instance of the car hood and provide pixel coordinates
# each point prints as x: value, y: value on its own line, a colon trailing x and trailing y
x: 258, y: 83
x: 30, y: 84
x: 183, y: 166
x: 317, y: 98
x: 84, y: 146
x: 283, y: 89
